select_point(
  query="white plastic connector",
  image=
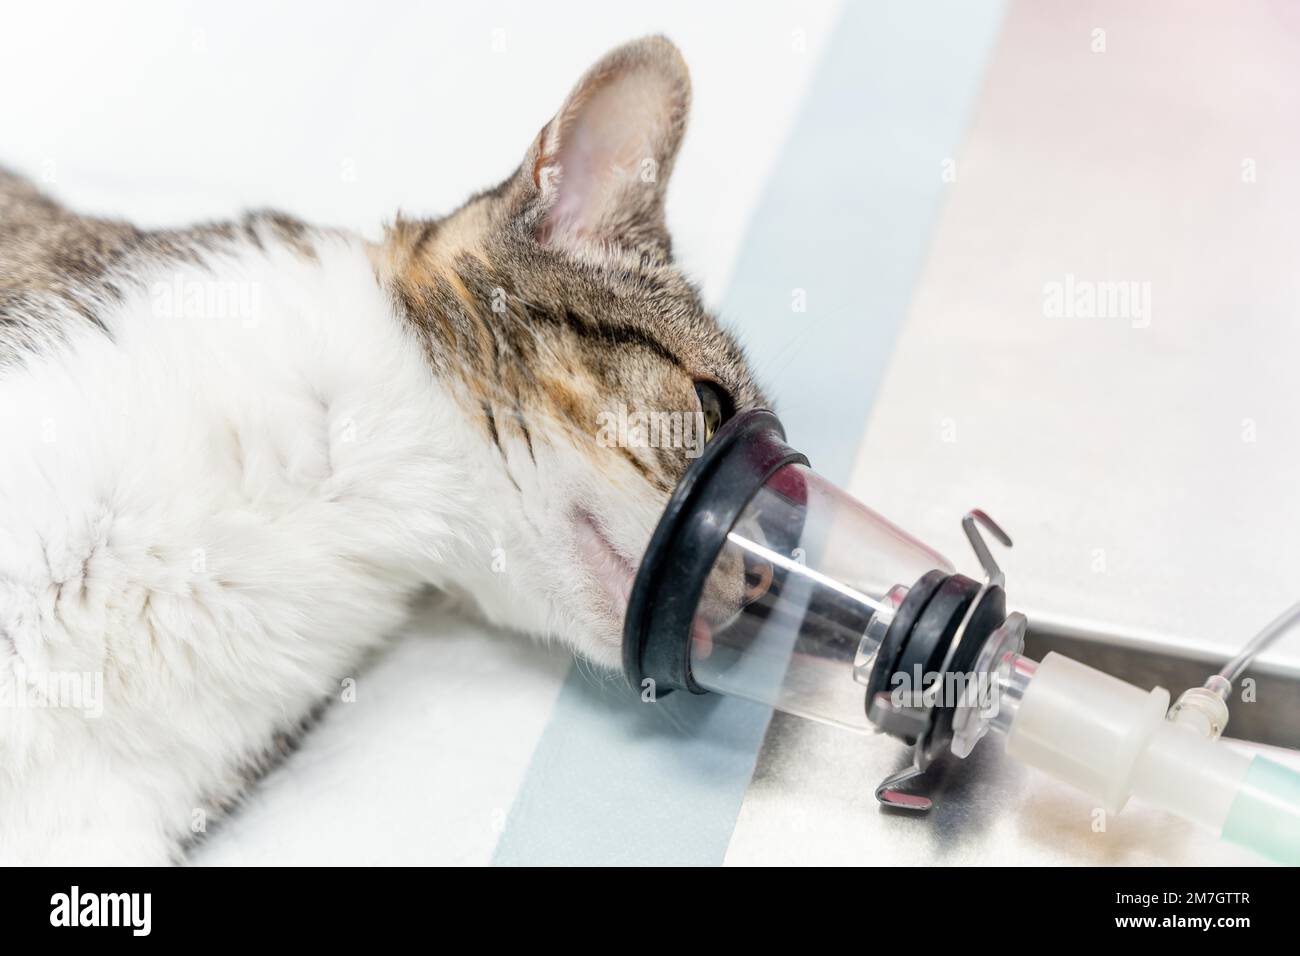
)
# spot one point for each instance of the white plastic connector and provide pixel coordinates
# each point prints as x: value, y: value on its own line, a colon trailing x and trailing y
x: 1111, y: 740
x: 1085, y: 727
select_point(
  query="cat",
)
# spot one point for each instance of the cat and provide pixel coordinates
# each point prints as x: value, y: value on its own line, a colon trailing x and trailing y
x: 233, y: 453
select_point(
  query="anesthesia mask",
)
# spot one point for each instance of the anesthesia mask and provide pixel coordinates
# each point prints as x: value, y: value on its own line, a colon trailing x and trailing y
x: 765, y: 581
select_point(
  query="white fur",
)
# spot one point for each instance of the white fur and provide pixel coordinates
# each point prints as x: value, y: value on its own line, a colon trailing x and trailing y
x: 219, y: 511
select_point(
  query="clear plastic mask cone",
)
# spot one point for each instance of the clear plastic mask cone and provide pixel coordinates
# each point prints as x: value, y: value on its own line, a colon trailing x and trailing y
x: 800, y: 597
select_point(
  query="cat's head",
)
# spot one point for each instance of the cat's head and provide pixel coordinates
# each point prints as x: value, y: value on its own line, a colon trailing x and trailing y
x: 590, y: 369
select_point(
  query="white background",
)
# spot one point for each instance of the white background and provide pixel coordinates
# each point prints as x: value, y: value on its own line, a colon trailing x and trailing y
x: 345, y: 112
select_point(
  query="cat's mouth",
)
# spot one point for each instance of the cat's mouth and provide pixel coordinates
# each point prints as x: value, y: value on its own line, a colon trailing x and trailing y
x: 615, y: 574
x: 611, y: 569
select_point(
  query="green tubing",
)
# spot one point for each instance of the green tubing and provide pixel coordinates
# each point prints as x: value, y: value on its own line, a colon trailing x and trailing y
x: 1265, y: 815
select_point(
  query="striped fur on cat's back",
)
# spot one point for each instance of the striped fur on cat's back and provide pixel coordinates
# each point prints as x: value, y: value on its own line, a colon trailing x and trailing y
x: 232, y: 453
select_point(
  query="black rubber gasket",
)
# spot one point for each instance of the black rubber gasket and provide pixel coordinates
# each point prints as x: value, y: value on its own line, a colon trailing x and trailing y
x: 707, y: 502
x: 932, y: 635
x: 900, y: 629
x: 922, y: 637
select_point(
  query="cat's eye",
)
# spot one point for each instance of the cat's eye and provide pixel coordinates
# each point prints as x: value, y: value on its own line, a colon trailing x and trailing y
x: 715, y: 404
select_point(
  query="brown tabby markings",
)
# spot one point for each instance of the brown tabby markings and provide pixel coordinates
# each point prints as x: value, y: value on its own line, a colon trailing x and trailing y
x: 59, y: 269
x: 527, y: 349
x: 542, y: 357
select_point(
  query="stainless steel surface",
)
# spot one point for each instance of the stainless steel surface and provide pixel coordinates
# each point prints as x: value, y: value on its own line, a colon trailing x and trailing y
x: 1147, y: 459
x: 988, y: 811
x: 1146, y: 462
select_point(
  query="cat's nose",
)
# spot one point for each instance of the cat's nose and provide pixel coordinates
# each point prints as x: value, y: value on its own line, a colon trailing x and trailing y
x: 758, y: 578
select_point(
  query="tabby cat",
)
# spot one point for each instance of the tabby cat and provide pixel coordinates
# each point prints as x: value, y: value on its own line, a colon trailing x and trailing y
x: 234, y: 452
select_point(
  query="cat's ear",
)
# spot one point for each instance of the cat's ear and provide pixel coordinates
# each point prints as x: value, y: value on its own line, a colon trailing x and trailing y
x: 599, y: 169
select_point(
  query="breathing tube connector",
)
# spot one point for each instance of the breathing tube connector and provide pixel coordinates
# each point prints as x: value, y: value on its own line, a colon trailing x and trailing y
x: 765, y: 581
x: 1113, y: 741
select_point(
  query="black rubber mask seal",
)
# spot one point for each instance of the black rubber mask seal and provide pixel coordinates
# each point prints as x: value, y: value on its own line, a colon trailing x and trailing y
x: 707, y: 502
